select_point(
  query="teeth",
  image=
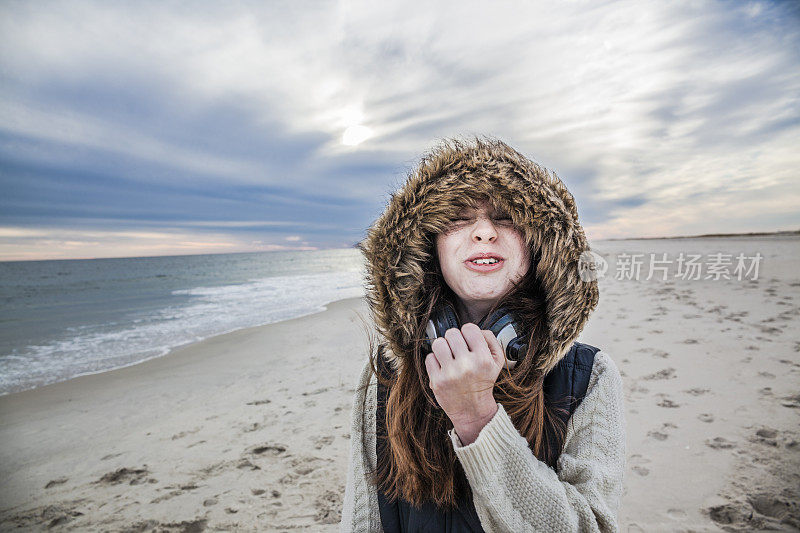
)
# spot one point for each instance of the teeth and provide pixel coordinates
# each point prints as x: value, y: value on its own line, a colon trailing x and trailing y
x: 489, y: 261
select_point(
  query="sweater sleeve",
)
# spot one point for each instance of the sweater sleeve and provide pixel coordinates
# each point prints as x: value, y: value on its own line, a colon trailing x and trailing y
x: 360, y: 512
x: 513, y: 491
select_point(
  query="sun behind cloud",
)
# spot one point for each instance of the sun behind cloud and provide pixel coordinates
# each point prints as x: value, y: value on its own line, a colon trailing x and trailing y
x: 355, y: 135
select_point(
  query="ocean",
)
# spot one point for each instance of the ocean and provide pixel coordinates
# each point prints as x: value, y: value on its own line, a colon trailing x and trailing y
x: 65, y: 318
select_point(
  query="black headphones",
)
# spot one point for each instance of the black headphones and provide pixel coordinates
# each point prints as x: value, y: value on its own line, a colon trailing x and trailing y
x: 500, y: 322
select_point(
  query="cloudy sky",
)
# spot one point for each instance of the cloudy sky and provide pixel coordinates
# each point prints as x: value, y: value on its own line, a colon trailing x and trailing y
x: 159, y: 128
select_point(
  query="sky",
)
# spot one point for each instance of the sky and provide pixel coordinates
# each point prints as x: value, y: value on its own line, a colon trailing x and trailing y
x: 165, y: 128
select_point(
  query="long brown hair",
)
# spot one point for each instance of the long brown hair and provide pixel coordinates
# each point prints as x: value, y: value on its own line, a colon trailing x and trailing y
x: 420, y: 464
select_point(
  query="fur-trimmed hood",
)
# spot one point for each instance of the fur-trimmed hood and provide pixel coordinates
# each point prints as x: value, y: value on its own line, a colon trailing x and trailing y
x: 401, y: 241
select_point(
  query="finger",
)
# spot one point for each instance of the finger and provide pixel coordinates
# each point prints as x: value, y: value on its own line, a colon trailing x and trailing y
x: 432, y: 364
x: 494, y: 346
x: 441, y: 351
x: 473, y: 336
x: 455, y: 339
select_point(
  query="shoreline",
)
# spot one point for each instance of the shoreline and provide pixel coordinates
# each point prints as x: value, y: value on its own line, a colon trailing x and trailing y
x: 171, y: 350
x: 786, y: 233
x: 227, y: 393
x: 177, y: 351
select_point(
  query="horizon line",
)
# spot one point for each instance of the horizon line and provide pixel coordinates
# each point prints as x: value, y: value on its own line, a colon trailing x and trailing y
x: 704, y: 235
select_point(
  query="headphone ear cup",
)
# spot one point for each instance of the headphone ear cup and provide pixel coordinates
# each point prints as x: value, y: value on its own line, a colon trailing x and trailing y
x: 443, y: 317
x: 502, y: 324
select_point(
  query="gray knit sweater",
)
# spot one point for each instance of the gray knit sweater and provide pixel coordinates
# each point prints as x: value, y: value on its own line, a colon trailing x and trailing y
x: 512, y: 490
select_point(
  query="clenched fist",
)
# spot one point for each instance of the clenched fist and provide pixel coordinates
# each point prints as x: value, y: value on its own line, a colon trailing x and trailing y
x: 462, y: 369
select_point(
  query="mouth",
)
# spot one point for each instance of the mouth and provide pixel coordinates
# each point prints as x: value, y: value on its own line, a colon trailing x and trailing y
x: 485, y: 262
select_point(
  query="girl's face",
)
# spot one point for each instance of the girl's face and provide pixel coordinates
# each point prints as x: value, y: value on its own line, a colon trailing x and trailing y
x: 490, y: 238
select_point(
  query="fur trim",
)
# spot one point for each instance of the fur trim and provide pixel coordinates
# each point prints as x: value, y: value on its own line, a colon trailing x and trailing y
x: 400, y: 241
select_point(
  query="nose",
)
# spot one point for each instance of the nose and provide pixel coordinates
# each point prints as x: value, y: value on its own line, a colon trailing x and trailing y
x: 484, y: 230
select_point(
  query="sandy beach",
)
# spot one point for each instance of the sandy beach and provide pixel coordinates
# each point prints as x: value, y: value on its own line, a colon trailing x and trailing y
x: 244, y: 431
x: 249, y: 431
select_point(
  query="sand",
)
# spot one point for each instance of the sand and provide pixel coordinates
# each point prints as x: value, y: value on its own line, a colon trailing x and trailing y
x: 244, y: 431
x: 250, y: 430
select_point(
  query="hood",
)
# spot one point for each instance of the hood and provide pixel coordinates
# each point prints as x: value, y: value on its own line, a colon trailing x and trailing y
x: 401, y: 240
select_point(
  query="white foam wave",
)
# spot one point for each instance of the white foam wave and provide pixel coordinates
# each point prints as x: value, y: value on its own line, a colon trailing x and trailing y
x: 211, y: 311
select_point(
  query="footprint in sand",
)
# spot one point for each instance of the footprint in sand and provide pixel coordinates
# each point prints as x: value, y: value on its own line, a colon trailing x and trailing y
x: 198, y: 524
x: 184, y: 433
x: 638, y: 459
x: 259, y: 402
x: 676, y: 514
x: 110, y: 456
x: 133, y: 476
x: 272, y: 449
x: 54, y: 482
x: 666, y: 373
x: 661, y: 434
x: 697, y: 391
x: 691, y: 341
x: 777, y: 507
x: 666, y: 402
x: 636, y: 388
x: 725, y: 514
x: 247, y: 464
x: 657, y: 435
x: 317, y: 391
x: 720, y: 443
x: 321, y: 442
x: 766, y: 436
x: 792, y: 402
x: 766, y: 375
x: 304, y: 470
x: 329, y: 507
x: 637, y: 463
x: 706, y: 417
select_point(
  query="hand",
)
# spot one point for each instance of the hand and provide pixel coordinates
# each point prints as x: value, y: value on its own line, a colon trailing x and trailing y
x: 462, y: 369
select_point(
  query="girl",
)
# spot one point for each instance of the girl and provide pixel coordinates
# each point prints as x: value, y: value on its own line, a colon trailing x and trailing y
x: 477, y: 410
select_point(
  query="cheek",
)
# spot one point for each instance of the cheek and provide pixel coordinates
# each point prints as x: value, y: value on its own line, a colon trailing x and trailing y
x: 521, y: 253
x: 444, y: 253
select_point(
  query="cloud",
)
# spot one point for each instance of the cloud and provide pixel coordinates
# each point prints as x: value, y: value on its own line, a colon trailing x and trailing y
x: 219, y: 114
x: 17, y: 244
